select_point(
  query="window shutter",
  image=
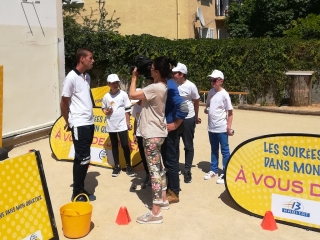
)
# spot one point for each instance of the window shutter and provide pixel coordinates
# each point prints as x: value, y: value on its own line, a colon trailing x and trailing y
x: 210, y: 33
x: 203, y: 32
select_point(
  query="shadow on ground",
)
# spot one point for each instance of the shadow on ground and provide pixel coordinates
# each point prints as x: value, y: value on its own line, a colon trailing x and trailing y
x: 145, y: 195
x: 91, y: 226
x: 226, y: 199
x: 182, y: 167
x: 205, y: 167
x: 91, y: 182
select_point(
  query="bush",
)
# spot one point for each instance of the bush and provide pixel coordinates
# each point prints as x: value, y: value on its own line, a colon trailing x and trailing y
x: 256, y: 64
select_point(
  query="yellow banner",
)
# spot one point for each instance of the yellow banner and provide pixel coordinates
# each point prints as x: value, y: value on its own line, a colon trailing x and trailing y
x: 98, y: 94
x: 101, y: 153
x: 25, y: 208
x: 280, y: 173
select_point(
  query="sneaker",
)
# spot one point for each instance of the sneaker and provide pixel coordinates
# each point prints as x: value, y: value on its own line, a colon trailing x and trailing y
x: 172, y: 197
x: 116, y: 171
x: 83, y: 198
x: 79, y: 199
x: 220, y: 179
x: 209, y: 175
x: 90, y: 196
x: 187, y: 177
x: 145, y: 181
x: 148, y: 218
x: 130, y: 171
x: 165, y: 205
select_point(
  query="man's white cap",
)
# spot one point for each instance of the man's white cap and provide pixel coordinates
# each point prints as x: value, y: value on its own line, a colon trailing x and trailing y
x: 113, y: 78
x: 217, y: 74
x: 180, y: 68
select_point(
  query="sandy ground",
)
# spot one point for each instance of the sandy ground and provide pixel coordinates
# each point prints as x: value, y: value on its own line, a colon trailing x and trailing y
x: 205, y: 210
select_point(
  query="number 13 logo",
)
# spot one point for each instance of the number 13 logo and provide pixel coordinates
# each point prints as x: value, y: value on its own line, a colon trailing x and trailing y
x: 296, y: 206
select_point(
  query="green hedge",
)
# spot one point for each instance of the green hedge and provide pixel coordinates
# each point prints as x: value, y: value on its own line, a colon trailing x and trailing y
x: 255, y: 64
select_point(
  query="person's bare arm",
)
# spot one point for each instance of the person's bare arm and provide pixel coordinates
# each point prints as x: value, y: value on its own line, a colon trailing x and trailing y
x: 173, y: 126
x: 64, y: 106
x: 196, y: 110
x: 128, y: 120
x: 133, y: 94
x: 207, y: 103
x: 107, y: 111
x: 229, y: 122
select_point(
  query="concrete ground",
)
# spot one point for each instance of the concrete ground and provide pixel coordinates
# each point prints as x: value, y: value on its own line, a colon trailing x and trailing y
x: 205, y: 210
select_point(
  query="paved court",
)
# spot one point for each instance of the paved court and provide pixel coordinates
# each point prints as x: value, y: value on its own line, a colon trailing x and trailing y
x: 205, y: 210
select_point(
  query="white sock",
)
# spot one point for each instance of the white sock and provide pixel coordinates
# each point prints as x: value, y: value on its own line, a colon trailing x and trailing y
x: 159, y: 215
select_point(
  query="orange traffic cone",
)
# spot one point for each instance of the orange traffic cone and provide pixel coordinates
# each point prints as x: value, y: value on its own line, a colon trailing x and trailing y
x: 268, y: 222
x: 123, y: 217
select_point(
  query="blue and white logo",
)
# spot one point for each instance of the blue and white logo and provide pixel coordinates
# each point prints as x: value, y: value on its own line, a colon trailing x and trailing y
x: 34, y: 236
x: 102, y: 154
x: 295, y: 207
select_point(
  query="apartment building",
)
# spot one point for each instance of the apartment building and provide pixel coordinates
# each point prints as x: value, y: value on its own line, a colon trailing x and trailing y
x: 173, y: 19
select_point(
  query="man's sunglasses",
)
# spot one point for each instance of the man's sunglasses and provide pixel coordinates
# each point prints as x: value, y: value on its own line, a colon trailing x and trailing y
x: 214, y: 79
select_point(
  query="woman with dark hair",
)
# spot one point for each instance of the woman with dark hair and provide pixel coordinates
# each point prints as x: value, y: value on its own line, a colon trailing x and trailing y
x: 153, y: 129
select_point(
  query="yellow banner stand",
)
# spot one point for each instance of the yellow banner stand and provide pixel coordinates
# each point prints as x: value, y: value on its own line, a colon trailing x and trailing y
x: 25, y: 206
x: 101, y: 153
x: 278, y: 172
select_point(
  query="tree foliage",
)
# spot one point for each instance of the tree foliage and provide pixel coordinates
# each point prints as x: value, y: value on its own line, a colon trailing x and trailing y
x: 254, y: 64
x: 87, y: 31
x: 305, y: 28
x: 265, y: 18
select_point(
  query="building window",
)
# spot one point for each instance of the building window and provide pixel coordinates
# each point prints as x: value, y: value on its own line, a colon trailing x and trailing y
x: 222, y: 7
x: 207, y: 33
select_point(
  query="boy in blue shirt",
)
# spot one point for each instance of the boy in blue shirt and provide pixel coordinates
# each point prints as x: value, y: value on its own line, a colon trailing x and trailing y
x: 176, y: 111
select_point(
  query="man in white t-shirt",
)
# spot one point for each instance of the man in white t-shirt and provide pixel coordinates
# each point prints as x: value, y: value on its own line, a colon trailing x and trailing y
x: 189, y: 92
x: 220, y: 117
x: 76, y: 109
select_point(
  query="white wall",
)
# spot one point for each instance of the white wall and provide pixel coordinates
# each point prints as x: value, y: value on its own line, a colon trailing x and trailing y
x: 33, y: 64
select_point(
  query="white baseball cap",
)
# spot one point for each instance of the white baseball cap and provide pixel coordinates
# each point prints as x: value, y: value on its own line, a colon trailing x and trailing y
x: 113, y: 78
x: 216, y: 74
x: 180, y: 68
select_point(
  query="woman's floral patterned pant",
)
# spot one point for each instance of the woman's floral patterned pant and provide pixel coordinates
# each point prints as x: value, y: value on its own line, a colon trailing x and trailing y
x: 152, y: 150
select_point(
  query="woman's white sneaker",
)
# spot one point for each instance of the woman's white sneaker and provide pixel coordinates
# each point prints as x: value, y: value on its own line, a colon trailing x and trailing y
x: 149, y: 218
x: 165, y: 205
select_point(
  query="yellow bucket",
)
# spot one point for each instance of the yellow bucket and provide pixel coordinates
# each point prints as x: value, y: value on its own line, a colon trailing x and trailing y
x: 76, y: 218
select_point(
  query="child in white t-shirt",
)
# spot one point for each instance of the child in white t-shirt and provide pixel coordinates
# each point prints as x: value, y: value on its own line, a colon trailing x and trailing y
x: 220, y: 115
x: 189, y: 92
x: 116, y: 105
